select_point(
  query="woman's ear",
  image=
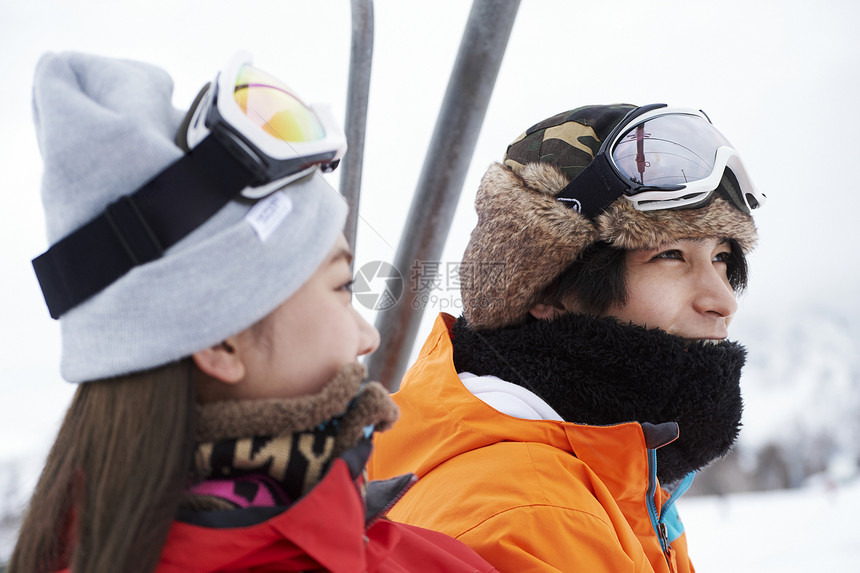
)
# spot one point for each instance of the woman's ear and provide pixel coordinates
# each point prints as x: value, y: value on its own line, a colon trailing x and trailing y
x: 546, y: 311
x: 221, y: 362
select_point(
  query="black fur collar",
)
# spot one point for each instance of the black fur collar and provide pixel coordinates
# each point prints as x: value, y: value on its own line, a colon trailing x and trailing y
x: 597, y: 371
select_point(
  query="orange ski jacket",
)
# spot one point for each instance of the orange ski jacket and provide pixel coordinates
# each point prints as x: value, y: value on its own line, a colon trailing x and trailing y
x: 528, y: 495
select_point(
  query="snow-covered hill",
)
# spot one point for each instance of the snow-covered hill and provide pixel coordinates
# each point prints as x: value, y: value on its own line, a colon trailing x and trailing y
x: 789, y: 531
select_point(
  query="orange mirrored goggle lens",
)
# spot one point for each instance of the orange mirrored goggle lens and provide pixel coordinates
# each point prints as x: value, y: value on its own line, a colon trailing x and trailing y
x: 273, y: 107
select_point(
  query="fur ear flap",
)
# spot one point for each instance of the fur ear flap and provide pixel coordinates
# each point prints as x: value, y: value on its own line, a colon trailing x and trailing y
x: 523, y: 240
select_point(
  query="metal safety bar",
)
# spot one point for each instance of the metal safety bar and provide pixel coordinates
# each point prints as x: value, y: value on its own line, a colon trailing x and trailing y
x: 360, y: 59
x: 438, y: 190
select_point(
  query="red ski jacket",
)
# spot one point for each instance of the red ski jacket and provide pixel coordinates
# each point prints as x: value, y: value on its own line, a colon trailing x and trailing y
x: 329, y: 529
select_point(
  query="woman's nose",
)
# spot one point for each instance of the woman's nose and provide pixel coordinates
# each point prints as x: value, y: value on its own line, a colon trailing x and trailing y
x: 369, y: 336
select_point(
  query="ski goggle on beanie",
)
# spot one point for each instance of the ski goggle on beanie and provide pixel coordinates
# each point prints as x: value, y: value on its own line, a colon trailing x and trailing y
x: 247, y: 134
x: 632, y: 177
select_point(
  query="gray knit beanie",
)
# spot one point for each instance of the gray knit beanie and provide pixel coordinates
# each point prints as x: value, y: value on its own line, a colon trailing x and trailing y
x: 105, y: 127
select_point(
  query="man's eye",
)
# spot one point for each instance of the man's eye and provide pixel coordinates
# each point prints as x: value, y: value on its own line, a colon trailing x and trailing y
x: 670, y: 254
x: 723, y: 257
x: 347, y: 286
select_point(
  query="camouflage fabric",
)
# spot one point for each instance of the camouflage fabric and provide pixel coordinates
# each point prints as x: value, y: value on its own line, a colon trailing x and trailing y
x: 568, y: 140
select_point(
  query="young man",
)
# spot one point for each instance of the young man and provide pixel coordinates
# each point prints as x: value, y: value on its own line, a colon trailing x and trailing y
x: 590, y: 366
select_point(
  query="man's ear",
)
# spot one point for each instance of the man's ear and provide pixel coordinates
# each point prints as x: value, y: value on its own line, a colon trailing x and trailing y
x: 221, y: 362
x: 546, y: 311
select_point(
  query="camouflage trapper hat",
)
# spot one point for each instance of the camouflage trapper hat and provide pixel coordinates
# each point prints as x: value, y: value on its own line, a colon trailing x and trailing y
x: 525, y: 238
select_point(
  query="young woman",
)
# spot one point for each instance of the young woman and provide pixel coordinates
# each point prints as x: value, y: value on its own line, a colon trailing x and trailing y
x: 590, y: 365
x: 203, y: 290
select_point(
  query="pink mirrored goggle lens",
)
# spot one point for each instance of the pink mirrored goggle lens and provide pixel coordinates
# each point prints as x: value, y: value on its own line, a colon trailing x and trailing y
x: 668, y: 150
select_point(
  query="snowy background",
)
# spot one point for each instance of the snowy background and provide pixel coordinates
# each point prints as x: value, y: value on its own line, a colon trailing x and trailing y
x: 779, y: 78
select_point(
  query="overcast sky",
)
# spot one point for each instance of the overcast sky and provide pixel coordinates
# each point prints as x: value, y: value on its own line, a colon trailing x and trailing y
x: 779, y: 78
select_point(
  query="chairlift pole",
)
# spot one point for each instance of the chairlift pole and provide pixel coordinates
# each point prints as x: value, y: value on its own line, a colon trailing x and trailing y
x: 360, y: 59
x: 438, y: 191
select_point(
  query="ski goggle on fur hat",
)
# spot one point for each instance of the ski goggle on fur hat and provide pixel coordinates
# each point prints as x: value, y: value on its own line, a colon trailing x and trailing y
x: 628, y: 176
x: 658, y: 157
x: 246, y: 136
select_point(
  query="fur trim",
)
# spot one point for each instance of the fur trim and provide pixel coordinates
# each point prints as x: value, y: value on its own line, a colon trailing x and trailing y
x: 525, y: 239
x: 241, y: 418
x: 626, y: 228
x: 271, y: 452
x: 372, y: 406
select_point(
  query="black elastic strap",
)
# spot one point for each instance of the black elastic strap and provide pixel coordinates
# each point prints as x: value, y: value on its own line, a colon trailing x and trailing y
x: 593, y: 190
x: 138, y: 228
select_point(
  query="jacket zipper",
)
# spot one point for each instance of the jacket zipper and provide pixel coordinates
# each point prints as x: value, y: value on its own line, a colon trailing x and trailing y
x: 659, y: 526
x: 679, y: 491
x: 657, y: 519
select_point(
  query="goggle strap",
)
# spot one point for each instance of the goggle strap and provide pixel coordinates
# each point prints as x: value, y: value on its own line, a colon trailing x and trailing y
x: 731, y: 189
x: 593, y: 190
x: 182, y: 133
x: 138, y: 228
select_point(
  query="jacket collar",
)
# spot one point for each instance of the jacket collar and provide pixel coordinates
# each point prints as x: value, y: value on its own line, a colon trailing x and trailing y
x: 617, y: 453
x: 299, y: 536
x: 599, y: 371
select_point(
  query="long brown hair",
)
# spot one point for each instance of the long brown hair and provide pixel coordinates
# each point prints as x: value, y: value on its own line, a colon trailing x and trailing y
x: 114, y: 478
